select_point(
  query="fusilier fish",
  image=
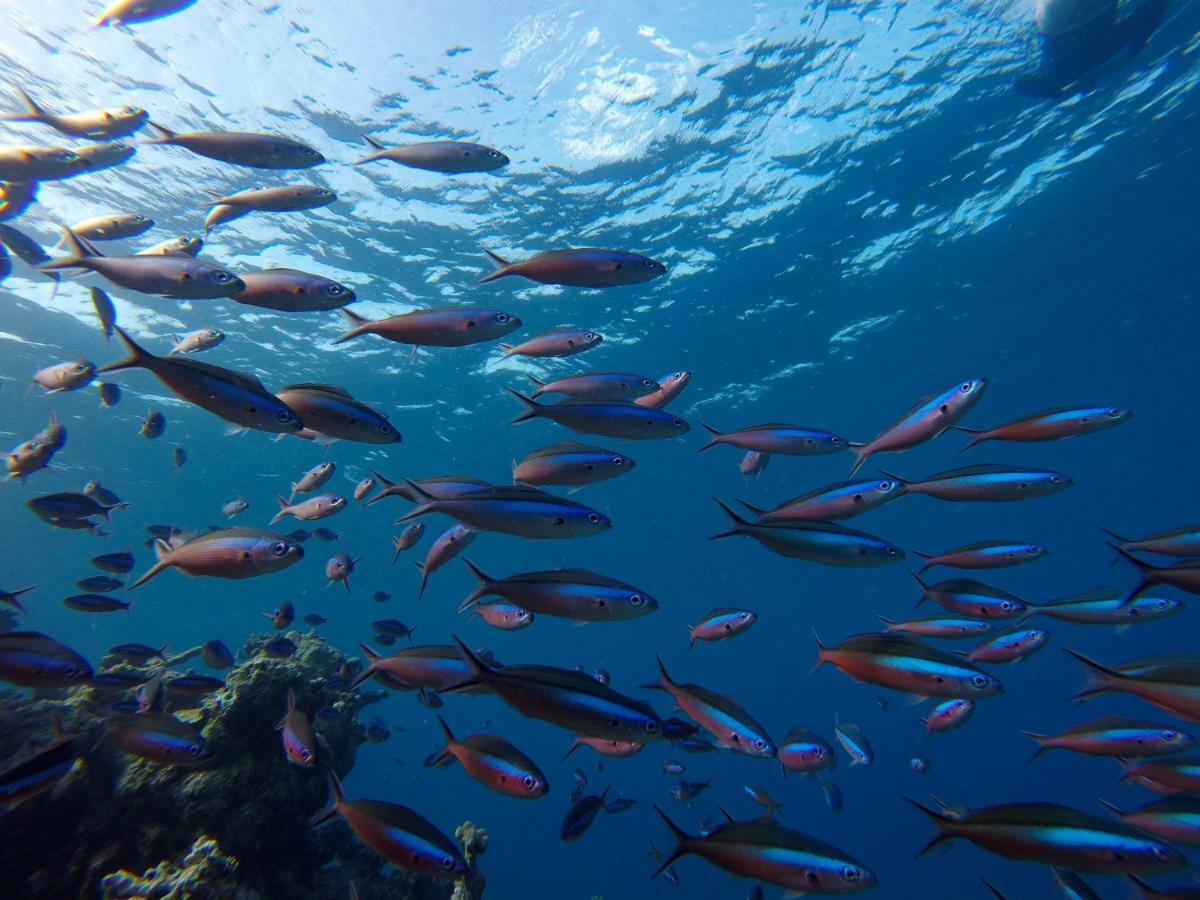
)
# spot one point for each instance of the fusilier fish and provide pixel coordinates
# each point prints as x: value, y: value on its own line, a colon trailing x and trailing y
x: 98, y: 125
x: 1050, y: 425
x: 522, y: 511
x: 235, y: 507
x: 162, y: 739
x: 434, y: 667
x: 134, y: 12
x: 938, y: 627
x: 113, y: 227
x: 597, y: 386
x: 407, y: 539
x: 989, y: 483
x: 566, y: 593
x: 842, y: 500
x: 1173, y: 686
x: 36, y: 660
x: 290, y: 290
x: 181, y: 277
x: 242, y: 148
x: 619, y: 420
x: 785, y: 440
x: 233, y: 396
x: 331, y: 411
x: 968, y: 597
x: 288, y: 198
x: 669, y: 387
x: 443, y: 487
x: 581, y: 815
x: 1183, y: 541
x: 196, y: 341
x: 558, y: 343
x: 721, y: 624
x: 571, y: 463
x: 176, y: 246
x: 225, y: 553
x: 339, y: 568
x: 363, y: 488
x: 826, y: 543
x: 903, y: 663
x: 105, y: 155
x: 503, y: 615
x: 948, y: 715
x: 448, y: 545
x: 496, y: 764
x: 924, y: 422
x: 29, y: 163
x: 449, y: 327
x: 985, y: 555
x: 1115, y: 736
x: 320, y: 507
x: 1183, y: 575
x: 1175, y: 819
x: 1165, y: 776
x: 722, y: 717
x: 449, y: 157
x: 106, y: 313
x: 40, y: 771
x: 587, y: 268
x: 1012, y: 645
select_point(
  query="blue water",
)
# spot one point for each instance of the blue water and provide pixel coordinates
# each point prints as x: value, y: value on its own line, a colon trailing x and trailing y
x: 856, y: 210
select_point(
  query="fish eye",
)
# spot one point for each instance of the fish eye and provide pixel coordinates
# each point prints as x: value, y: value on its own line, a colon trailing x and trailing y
x: 1170, y: 735
x: 652, y: 728
x: 892, y: 551
x: 335, y: 290
x: 760, y: 744
x: 502, y: 317
x: 307, y: 151
x: 1005, y: 605
x: 283, y: 416
x: 677, y: 421
x: 636, y: 600
x: 493, y: 154
x: 447, y: 863
x: 851, y: 873
x: 81, y: 367
x: 1161, y: 852
x: 589, y: 336
x: 618, y: 461
x: 529, y: 782
x: 130, y: 110
x: 594, y: 518
x: 649, y: 263
x: 221, y: 277
x: 280, y: 548
x: 835, y: 441
x: 195, y: 750
x: 1114, y: 413
x: 886, y: 485
x: 1163, y: 604
x: 979, y: 681
x: 966, y: 387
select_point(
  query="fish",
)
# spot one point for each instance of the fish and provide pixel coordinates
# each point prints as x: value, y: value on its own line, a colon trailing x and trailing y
x: 805, y: 752
x: 27, y: 458
x: 315, y: 619
x: 670, y: 386
x: 401, y: 836
x: 570, y: 700
x: 449, y: 327
x: 855, y: 743
x: 1055, y: 835
x: 669, y: 875
x: 179, y: 277
x: 833, y: 795
x: 754, y: 463
x: 985, y: 555
x: 558, y: 343
x: 138, y: 654
x: 618, y: 386
x: 968, y: 597
x: 153, y: 425
x: 730, y: 725
x: 1175, y: 819
x: 194, y: 685
x: 1050, y: 425
x: 233, y: 396
x: 496, y: 764
x: 40, y: 771
x: 176, y: 246
x: 620, y: 420
x: 15, y: 198
x: 775, y: 855
x: 36, y: 660
x: 609, y: 748
x: 576, y: 594
x: 938, y: 627
x: 448, y: 157
x: 834, y: 502
x: 106, y: 313
x: 581, y: 815
x: 620, y: 805
x: 217, y: 655
x: 931, y: 417
x: 826, y: 543
x: 12, y: 598
x: 234, y: 507
x: 283, y: 614
x: 162, y: 739
x: 1183, y: 575
x: 364, y: 488
x: 989, y: 483
x: 113, y: 227
x: 393, y: 627
x: 299, y: 742
x: 290, y: 290
x: 920, y: 764
x: 326, y: 534
x: 31, y: 163
x: 54, y: 435
x: 1115, y: 736
x: 1183, y: 542
x: 135, y: 12
x: 721, y: 624
x: 1012, y: 645
x: 1175, y: 775
x: 95, y: 491
x: 66, y: 376
x: 313, y: 479
x: 94, y: 603
x: 225, y: 553
x: 443, y: 487
x: 242, y: 148
x: 105, y: 155
x: 448, y: 545
x: 287, y: 198
x: 948, y: 716
x: 196, y: 341
x: 68, y: 505
x: 433, y: 667
x: 331, y: 411
x: 179, y: 456
x: 903, y: 663
x: 407, y: 539
x: 503, y: 615
x: 569, y: 463
x: 784, y: 440
x: 522, y: 511
x: 321, y: 506
x: 279, y: 648
x: 339, y: 568
x: 588, y: 268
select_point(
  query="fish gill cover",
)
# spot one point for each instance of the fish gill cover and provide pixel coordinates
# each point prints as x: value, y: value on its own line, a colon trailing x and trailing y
x: 826, y: 232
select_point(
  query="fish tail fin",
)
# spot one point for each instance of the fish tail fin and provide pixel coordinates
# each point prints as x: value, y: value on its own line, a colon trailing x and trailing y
x: 1145, y: 572
x: 336, y: 798
x: 479, y: 574
x: 1040, y: 740
x: 369, y: 669
x: 481, y: 672
x: 13, y: 595
x: 575, y: 745
x: 33, y: 112
x: 165, y: 135
x: 532, y: 407
x: 978, y: 436
x: 424, y: 578
x: 537, y: 383
x: 862, y: 453
x: 375, y: 145
x: 138, y: 357
x: 502, y: 266
x: 1100, y: 678
x: 358, y: 325
x: 739, y: 524
x: 78, y: 250
x: 664, y: 682
x: 1111, y: 807
x: 1112, y: 534
x: 754, y: 509
x: 712, y: 441
x: 162, y: 550
x: 446, y: 731
x: 943, y: 823
x: 283, y: 506
x: 682, y: 843
x: 822, y: 657
x: 924, y: 585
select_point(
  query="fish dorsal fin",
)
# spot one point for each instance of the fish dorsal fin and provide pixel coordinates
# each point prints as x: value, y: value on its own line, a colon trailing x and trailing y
x: 563, y: 447
x: 323, y: 388
x: 1100, y: 593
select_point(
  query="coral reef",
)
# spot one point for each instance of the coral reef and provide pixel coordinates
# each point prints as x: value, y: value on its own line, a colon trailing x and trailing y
x: 237, y: 825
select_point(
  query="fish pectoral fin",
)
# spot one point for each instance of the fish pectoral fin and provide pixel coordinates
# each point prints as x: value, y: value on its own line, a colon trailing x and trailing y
x: 915, y: 699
